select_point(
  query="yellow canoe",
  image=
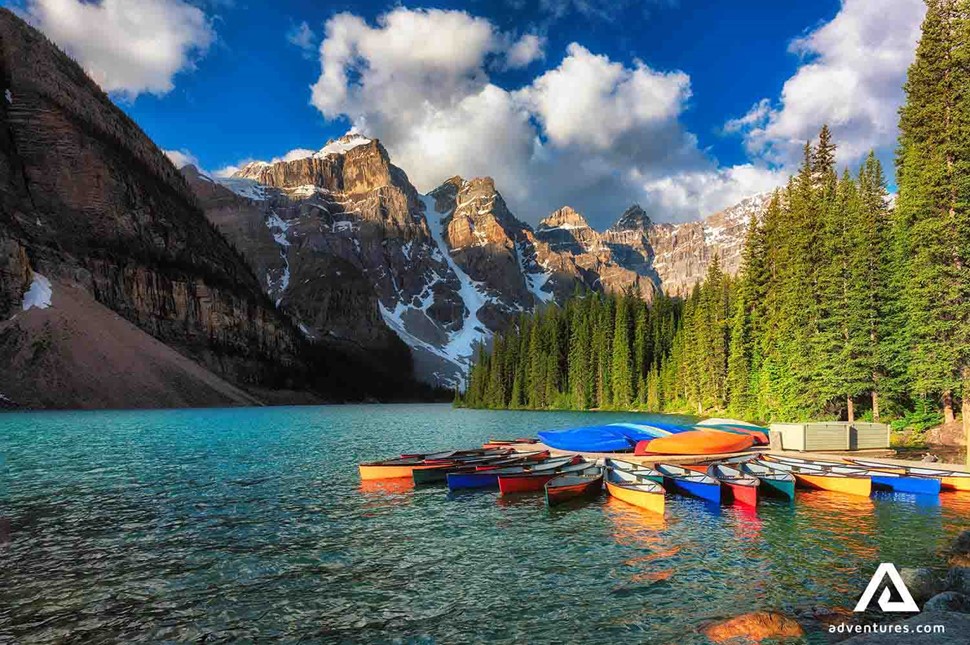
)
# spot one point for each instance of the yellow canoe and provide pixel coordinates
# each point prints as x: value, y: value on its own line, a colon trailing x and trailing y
x: 861, y: 486
x: 633, y: 489
x: 649, y: 500
x: 955, y: 483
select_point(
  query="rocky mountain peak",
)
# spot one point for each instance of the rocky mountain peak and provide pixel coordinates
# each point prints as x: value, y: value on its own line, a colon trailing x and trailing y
x: 564, y: 218
x: 633, y: 219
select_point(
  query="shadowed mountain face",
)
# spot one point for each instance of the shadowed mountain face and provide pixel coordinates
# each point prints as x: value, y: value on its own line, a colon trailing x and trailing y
x: 343, y: 230
x: 93, y: 211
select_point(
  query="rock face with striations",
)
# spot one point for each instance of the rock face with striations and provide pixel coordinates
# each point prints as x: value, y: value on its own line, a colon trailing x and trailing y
x: 355, y: 260
x: 683, y: 252
x: 89, y: 203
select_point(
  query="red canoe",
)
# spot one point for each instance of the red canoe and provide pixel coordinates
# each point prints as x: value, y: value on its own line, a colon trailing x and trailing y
x: 739, y: 486
x: 563, y: 488
x: 532, y: 482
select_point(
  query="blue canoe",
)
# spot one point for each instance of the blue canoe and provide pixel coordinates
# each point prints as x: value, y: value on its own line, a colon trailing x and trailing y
x: 690, y: 482
x: 885, y: 480
x: 489, y: 478
x: 615, y: 437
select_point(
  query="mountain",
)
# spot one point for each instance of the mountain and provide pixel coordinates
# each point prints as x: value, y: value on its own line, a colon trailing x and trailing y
x: 115, y: 289
x: 682, y: 252
x: 344, y: 243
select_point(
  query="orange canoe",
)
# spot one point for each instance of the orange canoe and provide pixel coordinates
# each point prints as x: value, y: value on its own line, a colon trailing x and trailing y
x: 379, y: 470
x: 696, y: 442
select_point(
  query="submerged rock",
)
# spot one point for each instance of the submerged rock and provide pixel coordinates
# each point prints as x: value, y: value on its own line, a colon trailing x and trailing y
x: 948, y: 601
x: 922, y: 583
x: 755, y: 626
x: 960, y: 551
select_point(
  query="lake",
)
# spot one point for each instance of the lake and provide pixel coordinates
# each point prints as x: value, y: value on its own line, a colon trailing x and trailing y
x: 240, y: 524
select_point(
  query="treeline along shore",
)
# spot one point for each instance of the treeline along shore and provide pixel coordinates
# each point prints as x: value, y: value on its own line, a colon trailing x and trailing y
x: 850, y: 302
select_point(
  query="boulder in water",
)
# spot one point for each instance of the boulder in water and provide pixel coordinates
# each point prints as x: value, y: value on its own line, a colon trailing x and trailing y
x: 755, y: 626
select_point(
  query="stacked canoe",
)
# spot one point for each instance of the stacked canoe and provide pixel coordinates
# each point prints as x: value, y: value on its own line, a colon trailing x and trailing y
x: 713, y: 436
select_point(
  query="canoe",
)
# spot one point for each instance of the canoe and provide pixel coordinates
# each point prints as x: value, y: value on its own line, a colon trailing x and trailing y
x: 738, y: 486
x: 851, y: 484
x: 696, y: 442
x: 884, y: 479
x: 604, y: 438
x: 584, y: 484
x: 760, y: 436
x: 717, y: 421
x: 398, y: 468
x: 631, y: 489
x: 949, y: 479
x: 438, y: 473
x: 639, y: 429
x: 691, y: 483
x: 488, y: 477
x: 533, y: 482
x: 640, y: 470
x: 508, y: 443
x: 778, y: 483
x: 760, y: 433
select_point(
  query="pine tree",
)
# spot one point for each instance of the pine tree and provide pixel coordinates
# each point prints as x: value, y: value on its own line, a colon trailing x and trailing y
x: 621, y: 371
x: 933, y: 206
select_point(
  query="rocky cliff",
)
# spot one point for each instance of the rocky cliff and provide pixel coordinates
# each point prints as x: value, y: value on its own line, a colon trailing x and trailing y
x: 88, y: 202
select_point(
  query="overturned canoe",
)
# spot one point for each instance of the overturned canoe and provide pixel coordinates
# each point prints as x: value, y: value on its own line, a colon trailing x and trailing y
x: 760, y: 433
x: 778, y: 483
x: 583, y: 484
x: 738, y: 486
x: 634, y: 490
x: 688, y: 482
x: 606, y: 438
x: 696, y: 442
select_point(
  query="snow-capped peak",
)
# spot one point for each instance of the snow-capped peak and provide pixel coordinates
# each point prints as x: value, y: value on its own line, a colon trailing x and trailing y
x: 342, y: 145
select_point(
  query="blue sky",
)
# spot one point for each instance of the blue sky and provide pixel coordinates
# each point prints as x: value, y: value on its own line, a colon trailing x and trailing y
x: 684, y: 106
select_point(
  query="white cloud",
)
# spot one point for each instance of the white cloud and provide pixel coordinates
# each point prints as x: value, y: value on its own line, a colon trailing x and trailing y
x: 590, y: 132
x: 852, y: 77
x: 128, y: 47
x: 709, y: 191
x: 586, y: 87
x: 527, y: 49
x: 304, y: 37
x: 182, y: 158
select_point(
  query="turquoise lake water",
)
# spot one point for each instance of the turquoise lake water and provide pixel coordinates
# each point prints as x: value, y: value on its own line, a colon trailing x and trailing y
x: 246, y: 524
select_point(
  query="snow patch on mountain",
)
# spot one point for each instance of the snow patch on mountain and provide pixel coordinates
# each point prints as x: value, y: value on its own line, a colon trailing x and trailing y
x: 277, y: 286
x: 534, y: 281
x: 461, y: 343
x: 248, y: 188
